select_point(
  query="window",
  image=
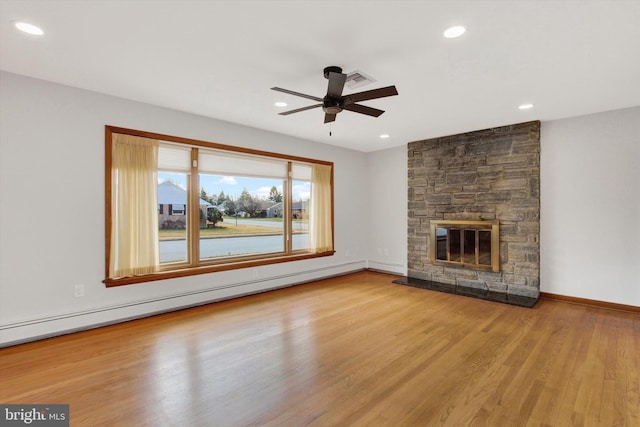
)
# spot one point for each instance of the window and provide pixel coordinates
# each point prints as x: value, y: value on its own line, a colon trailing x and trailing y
x: 177, y: 207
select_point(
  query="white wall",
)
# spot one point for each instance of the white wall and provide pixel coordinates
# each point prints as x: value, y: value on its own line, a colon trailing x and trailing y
x: 52, y: 210
x: 590, y: 206
x: 387, y: 194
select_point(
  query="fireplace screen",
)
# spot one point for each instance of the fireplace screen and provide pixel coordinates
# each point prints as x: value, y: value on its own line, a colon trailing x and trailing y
x: 472, y: 244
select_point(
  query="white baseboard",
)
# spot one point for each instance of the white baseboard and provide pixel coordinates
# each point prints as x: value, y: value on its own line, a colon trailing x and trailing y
x: 386, y: 267
x: 45, y: 327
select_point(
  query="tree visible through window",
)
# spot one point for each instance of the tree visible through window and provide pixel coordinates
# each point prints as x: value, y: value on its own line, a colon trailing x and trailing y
x: 215, y: 207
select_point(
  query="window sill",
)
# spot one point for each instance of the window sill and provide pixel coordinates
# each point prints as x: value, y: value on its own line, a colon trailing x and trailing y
x: 204, y: 269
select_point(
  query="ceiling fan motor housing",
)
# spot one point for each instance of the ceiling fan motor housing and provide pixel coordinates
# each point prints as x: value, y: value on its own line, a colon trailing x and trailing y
x: 331, y: 105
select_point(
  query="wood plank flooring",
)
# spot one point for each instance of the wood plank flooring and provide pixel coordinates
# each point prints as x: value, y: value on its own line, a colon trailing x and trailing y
x: 354, y: 350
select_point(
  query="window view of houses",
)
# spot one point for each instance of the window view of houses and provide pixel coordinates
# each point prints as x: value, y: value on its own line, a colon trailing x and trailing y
x: 238, y: 216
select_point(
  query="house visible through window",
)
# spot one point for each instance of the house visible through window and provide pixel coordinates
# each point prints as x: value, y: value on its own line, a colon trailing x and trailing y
x: 215, y: 207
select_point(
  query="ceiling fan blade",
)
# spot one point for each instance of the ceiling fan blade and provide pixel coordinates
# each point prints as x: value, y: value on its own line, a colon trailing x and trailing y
x: 363, y: 109
x: 290, y: 92
x: 370, y: 94
x: 336, y: 84
x: 329, y: 117
x: 297, y: 110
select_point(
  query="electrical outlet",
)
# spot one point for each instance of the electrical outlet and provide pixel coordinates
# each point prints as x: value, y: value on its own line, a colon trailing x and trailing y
x: 347, y: 253
x: 78, y: 290
x: 255, y: 273
x: 386, y: 251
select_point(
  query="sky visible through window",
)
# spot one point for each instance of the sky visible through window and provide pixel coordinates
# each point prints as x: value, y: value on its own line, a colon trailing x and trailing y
x: 233, y: 185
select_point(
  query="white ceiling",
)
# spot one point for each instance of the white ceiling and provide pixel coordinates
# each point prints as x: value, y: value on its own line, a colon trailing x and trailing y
x: 220, y: 59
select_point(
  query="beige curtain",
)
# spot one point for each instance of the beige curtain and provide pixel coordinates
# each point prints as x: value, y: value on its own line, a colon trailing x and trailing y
x: 134, y: 206
x: 320, y: 231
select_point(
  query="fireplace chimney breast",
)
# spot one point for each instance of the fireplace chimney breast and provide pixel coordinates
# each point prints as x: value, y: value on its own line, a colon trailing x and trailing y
x: 490, y: 176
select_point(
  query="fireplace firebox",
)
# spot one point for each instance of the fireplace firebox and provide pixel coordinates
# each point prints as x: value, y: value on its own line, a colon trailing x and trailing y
x: 469, y: 244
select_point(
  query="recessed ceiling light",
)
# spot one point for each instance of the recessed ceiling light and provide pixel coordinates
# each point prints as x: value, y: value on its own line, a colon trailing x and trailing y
x: 453, y: 32
x: 385, y: 136
x: 280, y: 104
x: 525, y: 106
x: 29, y: 28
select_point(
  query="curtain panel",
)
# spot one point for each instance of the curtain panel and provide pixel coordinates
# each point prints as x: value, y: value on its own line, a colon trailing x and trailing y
x: 320, y: 230
x: 134, y: 201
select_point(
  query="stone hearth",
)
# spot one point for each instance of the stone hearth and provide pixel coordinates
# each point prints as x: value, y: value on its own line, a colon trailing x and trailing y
x: 487, y: 295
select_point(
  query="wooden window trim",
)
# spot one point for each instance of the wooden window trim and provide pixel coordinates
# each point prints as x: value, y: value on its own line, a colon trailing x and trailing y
x: 204, y: 269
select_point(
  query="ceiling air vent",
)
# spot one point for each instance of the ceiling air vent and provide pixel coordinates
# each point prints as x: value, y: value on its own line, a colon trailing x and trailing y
x: 358, y: 79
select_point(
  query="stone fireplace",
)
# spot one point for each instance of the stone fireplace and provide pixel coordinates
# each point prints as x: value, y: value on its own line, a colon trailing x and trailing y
x: 489, y: 177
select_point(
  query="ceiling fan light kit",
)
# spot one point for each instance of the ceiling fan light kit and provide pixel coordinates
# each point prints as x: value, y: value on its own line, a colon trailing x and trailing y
x: 334, y: 102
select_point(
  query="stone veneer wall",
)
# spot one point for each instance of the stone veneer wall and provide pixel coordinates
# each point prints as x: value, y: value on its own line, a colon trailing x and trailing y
x: 491, y: 174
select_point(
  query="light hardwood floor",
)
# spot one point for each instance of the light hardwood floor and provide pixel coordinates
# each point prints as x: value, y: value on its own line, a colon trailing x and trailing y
x: 355, y: 350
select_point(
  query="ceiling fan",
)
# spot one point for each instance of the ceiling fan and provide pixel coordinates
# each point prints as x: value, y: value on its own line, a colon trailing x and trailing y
x: 334, y: 102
